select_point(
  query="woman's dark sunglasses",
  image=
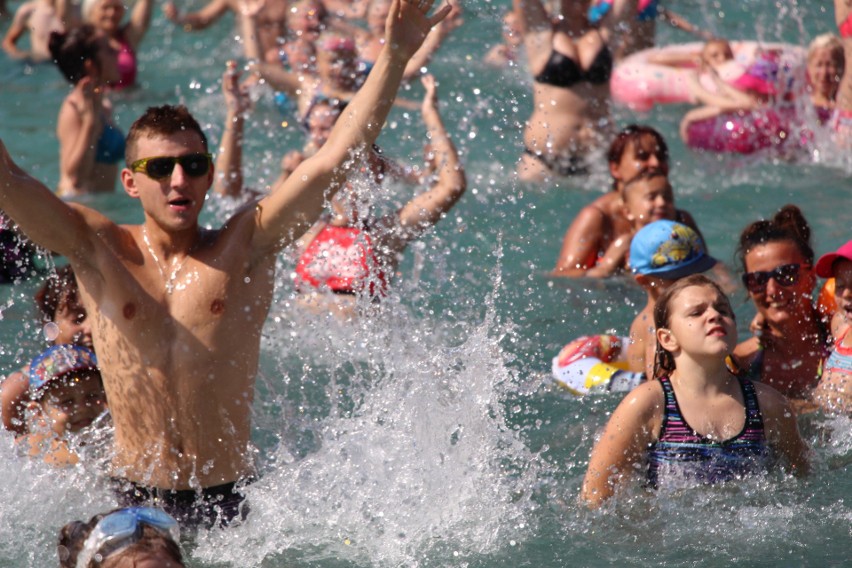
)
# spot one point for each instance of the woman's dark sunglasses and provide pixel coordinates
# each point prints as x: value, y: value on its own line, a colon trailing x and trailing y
x: 785, y: 275
x: 159, y: 167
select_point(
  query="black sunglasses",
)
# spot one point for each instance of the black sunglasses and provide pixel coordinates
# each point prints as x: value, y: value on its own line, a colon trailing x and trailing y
x: 159, y: 167
x: 785, y: 275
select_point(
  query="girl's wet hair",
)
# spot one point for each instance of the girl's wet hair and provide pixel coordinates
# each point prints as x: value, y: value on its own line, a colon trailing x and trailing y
x: 630, y: 136
x: 58, y: 291
x: 72, y: 538
x: 70, y: 51
x: 664, y: 363
x: 788, y: 224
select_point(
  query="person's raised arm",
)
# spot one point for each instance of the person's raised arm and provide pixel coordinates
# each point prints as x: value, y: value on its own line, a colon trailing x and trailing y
x: 42, y: 216
x: 293, y: 205
x: 623, y: 443
x: 16, y: 31
x: 427, y: 208
x: 681, y: 23
x: 229, y: 162
x: 203, y: 18
x: 140, y: 20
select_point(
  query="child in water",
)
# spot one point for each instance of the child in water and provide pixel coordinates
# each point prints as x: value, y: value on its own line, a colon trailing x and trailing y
x: 646, y: 198
x: 67, y: 396
x: 699, y: 422
x: 660, y: 254
x: 834, y: 391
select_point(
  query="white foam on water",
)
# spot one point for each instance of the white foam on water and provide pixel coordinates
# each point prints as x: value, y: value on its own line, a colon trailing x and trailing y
x: 420, y: 463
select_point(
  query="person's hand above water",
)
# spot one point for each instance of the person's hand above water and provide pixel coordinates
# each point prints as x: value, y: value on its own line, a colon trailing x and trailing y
x: 408, y: 24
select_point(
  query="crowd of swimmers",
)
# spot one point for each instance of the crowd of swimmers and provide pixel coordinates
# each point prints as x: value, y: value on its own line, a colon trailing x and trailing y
x: 702, y: 405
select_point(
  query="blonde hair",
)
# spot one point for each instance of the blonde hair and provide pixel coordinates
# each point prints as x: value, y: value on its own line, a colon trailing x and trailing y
x: 825, y: 41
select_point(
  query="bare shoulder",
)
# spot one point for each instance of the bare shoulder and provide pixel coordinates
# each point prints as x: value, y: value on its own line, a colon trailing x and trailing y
x: 645, y: 402
x: 747, y: 350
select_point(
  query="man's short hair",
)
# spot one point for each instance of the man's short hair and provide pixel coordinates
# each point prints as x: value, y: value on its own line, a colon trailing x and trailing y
x: 163, y: 121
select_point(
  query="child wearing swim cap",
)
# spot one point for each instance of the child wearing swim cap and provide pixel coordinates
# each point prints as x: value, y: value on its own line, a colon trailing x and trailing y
x: 834, y: 391
x: 67, y: 396
x: 660, y: 254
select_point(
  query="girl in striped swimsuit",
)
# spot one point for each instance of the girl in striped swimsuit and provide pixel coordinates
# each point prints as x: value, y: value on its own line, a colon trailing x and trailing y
x: 698, y: 421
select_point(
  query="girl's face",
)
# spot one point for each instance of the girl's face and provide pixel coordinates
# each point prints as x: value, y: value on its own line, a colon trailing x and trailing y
x: 106, y: 16
x: 716, y: 52
x: 649, y: 200
x: 640, y: 156
x: 843, y: 287
x: 701, y: 324
x: 780, y: 282
x: 73, y: 404
x: 824, y: 72
x: 71, y: 325
x: 320, y: 123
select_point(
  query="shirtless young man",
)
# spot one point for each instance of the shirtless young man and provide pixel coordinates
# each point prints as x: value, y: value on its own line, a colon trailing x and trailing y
x: 177, y: 310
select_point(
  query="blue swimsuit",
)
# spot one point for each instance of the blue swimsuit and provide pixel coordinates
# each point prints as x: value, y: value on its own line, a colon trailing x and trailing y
x: 110, y: 148
x: 682, y: 453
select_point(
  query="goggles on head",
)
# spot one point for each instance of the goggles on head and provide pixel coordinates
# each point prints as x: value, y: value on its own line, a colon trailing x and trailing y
x: 122, y: 528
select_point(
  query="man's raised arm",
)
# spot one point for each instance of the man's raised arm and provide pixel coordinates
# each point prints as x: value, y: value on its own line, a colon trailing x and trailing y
x: 44, y: 218
x: 294, y: 204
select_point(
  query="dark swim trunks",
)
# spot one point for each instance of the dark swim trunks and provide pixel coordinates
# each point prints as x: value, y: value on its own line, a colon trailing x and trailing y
x: 208, y: 507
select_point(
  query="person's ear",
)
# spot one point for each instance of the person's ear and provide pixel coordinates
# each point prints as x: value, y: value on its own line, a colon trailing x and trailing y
x: 128, y: 181
x: 667, y: 340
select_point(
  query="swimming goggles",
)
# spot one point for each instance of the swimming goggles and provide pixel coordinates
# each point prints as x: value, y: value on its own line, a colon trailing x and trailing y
x: 122, y: 528
x: 159, y: 167
x: 785, y: 275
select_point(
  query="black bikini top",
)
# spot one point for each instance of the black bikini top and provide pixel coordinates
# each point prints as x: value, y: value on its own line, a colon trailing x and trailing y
x: 563, y: 71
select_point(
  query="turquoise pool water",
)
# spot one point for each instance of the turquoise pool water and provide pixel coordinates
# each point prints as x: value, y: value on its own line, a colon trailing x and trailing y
x: 430, y: 436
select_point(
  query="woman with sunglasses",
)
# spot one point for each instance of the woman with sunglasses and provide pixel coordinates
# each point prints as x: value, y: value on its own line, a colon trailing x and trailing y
x: 90, y: 145
x: 788, y: 349
x: 136, y: 536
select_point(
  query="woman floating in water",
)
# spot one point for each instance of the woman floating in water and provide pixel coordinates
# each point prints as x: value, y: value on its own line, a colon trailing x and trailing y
x: 699, y: 422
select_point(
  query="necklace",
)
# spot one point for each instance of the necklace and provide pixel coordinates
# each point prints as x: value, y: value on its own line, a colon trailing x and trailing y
x: 171, y: 278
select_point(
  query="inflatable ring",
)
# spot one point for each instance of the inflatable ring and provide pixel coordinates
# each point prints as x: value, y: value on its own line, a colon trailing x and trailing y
x: 744, y: 132
x: 595, y: 363
x: 640, y: 84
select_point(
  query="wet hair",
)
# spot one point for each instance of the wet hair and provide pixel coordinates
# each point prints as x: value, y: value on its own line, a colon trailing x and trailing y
x: 70, y: 51
x: 630, y: 136
x: 58, y: 291
x: 788, y: 224
x: 664, y: 363
x: 163, y: 121
x: 72, y: 538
